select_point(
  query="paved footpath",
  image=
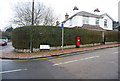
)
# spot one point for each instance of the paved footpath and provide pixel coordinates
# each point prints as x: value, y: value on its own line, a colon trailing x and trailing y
x: 14, y: 55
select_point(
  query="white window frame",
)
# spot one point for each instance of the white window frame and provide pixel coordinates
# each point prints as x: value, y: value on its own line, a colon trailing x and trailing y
x: 105, y: 22
x: 97, y: 21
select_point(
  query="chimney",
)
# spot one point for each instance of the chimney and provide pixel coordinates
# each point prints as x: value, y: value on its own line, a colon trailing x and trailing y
x: 66, y: 16
x: 97, y: 11
x: 75, y: 10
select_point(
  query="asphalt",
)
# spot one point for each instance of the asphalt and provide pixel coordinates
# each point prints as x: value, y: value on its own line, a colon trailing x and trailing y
x: 96, y: 64
x: 71, y: 52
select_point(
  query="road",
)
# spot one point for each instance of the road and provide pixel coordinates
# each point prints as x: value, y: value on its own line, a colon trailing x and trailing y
x: 5, y: 49
x: 96, y: 64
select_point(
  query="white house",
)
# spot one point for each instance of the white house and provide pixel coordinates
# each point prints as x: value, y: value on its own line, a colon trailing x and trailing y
x: 85, y: 19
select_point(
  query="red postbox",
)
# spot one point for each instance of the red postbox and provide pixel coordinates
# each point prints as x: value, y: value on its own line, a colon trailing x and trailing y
x: 77, y: 42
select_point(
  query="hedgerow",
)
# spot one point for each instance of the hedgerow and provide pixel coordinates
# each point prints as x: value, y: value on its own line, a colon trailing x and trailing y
x: 52, y: 35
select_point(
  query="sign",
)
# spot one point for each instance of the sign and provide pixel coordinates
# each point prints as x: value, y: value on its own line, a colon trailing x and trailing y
x: 62, y: 25
x: 44, y: 46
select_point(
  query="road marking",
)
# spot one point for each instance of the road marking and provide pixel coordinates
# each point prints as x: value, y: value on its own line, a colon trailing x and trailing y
x: 77, y: 53
x: 114, y: 52
x: 12, y: 71
x: 76, y: 60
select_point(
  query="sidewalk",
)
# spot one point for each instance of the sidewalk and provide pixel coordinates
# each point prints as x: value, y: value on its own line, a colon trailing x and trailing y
x: 20, y: 56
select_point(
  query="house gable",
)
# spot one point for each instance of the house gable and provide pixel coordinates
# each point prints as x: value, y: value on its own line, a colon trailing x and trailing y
x: 107, y: 16
x: 107, y: 22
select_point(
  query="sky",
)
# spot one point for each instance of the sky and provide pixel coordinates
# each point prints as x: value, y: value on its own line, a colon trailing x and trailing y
x: 60, y: 7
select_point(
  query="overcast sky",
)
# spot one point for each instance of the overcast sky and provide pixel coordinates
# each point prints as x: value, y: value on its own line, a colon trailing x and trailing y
x: 61, y: 7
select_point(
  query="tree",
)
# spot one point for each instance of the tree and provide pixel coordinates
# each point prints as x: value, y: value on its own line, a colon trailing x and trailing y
x: 42, y: 14
x: 49, y: 18
x: 9, y: 29
x: 7, y: 33
x: 57, y: 23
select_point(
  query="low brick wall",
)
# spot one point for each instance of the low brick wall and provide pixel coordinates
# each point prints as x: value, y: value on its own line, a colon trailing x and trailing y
x: 26, y: 50
x: 58, y: 48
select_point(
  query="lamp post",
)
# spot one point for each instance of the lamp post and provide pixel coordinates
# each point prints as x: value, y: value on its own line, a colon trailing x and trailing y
x: 31, y: 44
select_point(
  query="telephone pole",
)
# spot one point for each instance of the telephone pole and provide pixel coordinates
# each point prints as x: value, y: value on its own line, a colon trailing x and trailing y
x: 33, y: 12
x: 31, y: 44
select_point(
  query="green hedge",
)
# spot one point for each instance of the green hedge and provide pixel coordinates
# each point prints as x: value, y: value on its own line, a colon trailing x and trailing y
x: 52, y: 36
x: 111, y: 36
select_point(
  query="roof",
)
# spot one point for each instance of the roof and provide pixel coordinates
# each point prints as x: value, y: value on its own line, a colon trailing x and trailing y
x: 84, y: 13
x: 108, y: 16
x: 95, y: 27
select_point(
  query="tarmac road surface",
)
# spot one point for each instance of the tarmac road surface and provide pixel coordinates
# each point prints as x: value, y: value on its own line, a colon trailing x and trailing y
x: 97, y: 64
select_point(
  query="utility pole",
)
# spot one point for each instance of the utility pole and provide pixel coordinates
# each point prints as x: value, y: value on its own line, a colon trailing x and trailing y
x: 119, y: 12
x: 31, y: 44
x: 33, y: 12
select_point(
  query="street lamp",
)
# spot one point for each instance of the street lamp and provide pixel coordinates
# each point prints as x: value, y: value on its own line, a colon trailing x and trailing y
x: 31, y: 45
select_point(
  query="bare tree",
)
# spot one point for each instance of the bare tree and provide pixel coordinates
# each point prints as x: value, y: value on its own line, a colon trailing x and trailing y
x: 50, y: 18
x: 42, y: 14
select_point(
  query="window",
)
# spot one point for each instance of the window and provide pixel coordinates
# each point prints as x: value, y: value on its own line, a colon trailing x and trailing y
x: 105, y: 22
x: 97, y: 21
x: 85, y: 20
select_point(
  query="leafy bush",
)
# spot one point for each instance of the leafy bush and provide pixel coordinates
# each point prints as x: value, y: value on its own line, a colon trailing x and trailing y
x: 52, y: 36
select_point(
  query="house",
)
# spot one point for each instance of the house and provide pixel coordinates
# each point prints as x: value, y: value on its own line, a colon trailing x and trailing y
x: 88, y: 20
x: 115, y: 25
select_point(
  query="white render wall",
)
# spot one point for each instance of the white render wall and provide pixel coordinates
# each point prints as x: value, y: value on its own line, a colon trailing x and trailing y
x: 101, y: 23
x: 78, y: 21
x: 75, y: 21
x: 92, y: 21
x: 67, y: 23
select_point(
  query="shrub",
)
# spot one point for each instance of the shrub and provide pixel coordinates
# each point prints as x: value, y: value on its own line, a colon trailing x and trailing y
x: 52, y: 36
